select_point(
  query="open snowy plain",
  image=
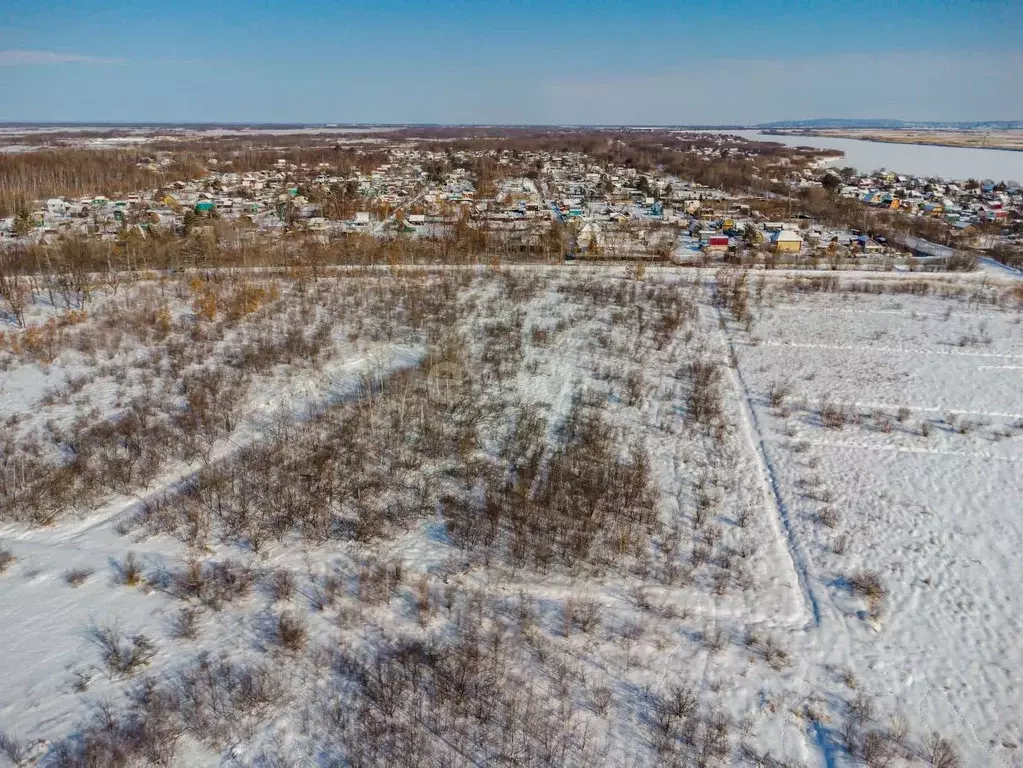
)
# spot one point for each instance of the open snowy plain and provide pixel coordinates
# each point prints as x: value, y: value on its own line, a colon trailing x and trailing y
x: 536, y: 516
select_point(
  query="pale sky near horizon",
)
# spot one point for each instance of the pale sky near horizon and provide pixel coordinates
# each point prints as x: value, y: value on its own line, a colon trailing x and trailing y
x: 531, y: 62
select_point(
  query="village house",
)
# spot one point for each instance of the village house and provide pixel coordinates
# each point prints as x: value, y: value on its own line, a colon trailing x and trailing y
x: 786, y: 241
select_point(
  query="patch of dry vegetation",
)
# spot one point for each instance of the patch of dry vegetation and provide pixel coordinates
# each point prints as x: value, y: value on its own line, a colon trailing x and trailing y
x: 567, y: 562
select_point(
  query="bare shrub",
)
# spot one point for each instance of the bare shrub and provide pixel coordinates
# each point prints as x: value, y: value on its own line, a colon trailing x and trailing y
x: 828, y: 517
x: 682, y: 701
x: 859, y: 713
x: 704, y: 404
x: 882, y: 421
x: 777, y: 393
x: 290, y: 632
x: 641, y: 597
x: 751, y: 638
x: 634, y: 384
x: 214, y: 583
x: 146, y: 732
x: 222, y: 700
x: 849, y: 678
x: 775, y: 656
x: 227, y: 581
x: 6, y: 558
x: 282, y: 585
x: 898, y: 731
x: 682, y: 735
x: 721, y: 579
x: 325, y: 592
x: 83, y: 679
x: 833, y: 416
x: 14, y: 291
x: 940, y: 752
x: 123, y: 656
x: 378, y: 580
x: 17, y: 750
x: 699, y: 555
x: 591, y: 504
x: 876, y: 748
x: 77, y: 576
x: 186, y: 623
x: 525, y: 612
x: 731, y: 290
x: 583, y: 613
x: 190, y: 582
x: 840, y: 544
x: 702, y: 511
x: 601, y: 699
x: 422, y: 603
x: 868, y: 584
x: 130, y: 571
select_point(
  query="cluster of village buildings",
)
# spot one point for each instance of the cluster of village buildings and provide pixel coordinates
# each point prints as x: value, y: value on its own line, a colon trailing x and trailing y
x: 965, y: 207
x: 605, y: 211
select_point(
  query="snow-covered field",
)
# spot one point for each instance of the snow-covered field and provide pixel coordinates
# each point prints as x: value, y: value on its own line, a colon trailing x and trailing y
x: 921, y: 486
x: 535, y: 516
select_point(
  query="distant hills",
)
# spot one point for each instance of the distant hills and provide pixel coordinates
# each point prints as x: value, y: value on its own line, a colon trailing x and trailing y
x: 829, y: 122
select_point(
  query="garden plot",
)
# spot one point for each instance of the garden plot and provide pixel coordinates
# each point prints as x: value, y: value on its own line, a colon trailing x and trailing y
x: 927, y: 354
x: 893, y: 427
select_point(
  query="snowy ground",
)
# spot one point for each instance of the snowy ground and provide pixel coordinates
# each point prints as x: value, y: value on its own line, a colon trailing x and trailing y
x: 936, y: 515
x: 739, y: 591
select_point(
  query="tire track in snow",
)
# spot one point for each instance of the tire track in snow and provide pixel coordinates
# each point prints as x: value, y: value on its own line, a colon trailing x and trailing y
x: 771, y: 487
x: 983, y: 456
x: 816, y: 736
x: 886, y: 350
x: 942, y: 409
x: 896, y: 312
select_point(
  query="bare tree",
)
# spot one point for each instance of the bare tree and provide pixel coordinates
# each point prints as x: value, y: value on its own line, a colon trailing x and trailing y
x: 13, y: 290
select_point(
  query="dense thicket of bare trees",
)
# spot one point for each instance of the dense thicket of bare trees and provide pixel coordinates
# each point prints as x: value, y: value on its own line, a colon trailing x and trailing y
x: 29, y: 176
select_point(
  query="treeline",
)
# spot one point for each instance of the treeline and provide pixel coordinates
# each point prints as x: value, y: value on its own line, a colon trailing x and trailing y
x: 245, y: 155
x: 340, y: 161
x: 837, y: 211
x: 28, y: 177
x: 224, y: 245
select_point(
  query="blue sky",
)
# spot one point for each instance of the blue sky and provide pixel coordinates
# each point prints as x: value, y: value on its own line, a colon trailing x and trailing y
x: 510, y: 62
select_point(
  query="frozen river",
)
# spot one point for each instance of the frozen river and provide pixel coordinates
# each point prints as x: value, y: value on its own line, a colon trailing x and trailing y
x: 915, y: 159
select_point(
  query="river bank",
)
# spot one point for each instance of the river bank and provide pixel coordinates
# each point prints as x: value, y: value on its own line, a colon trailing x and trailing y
x: 953, y: 163
x: 1008, y: 141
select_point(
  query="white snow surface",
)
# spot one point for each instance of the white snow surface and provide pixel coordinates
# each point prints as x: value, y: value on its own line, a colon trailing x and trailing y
x: 938, y: 517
